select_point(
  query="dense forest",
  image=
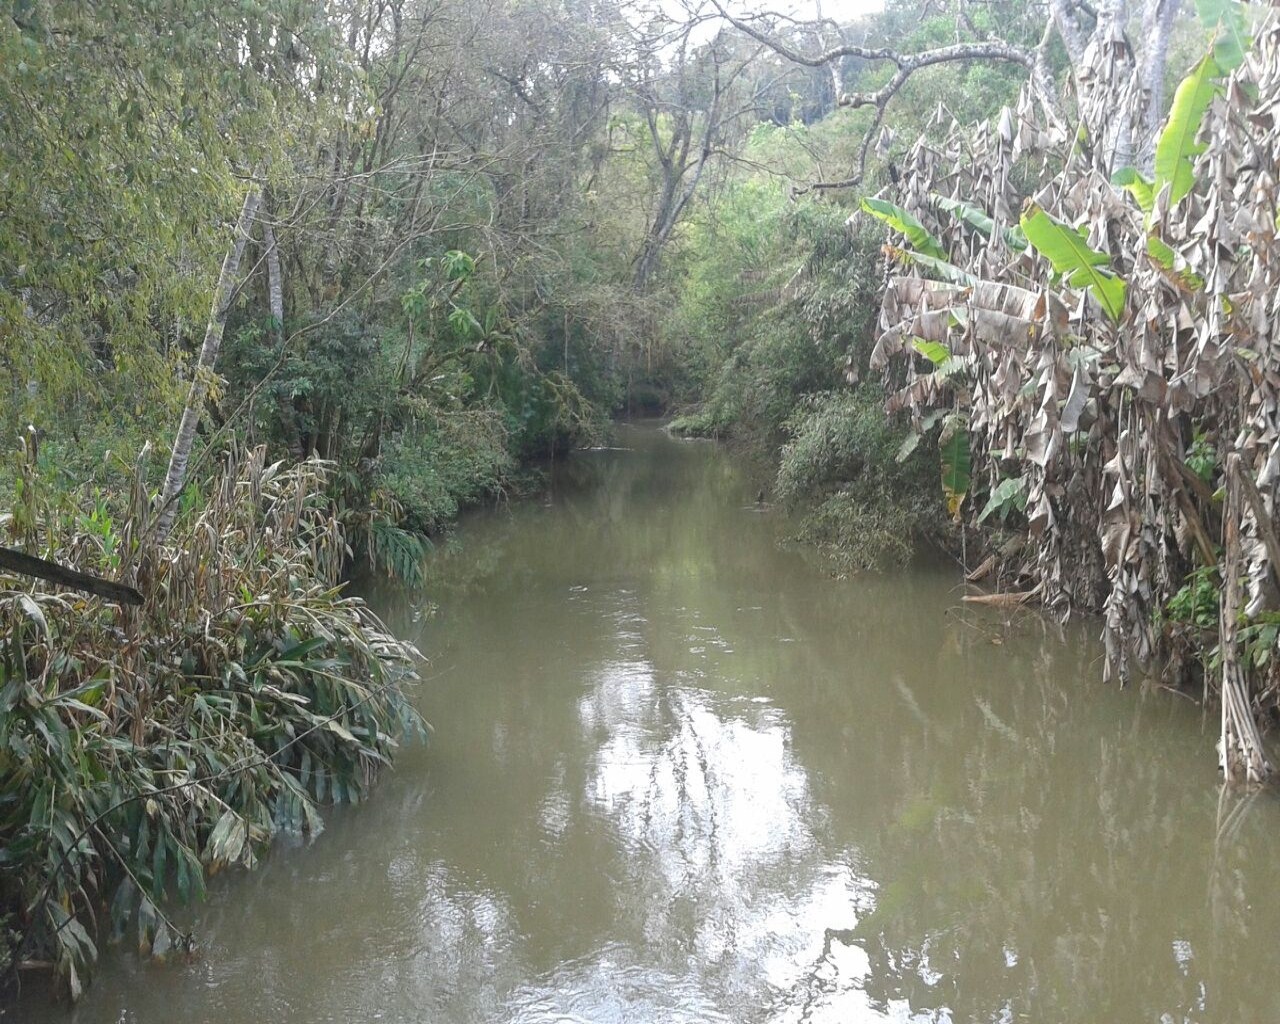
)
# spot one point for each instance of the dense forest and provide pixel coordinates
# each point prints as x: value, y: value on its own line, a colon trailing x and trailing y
x: 285, y: 285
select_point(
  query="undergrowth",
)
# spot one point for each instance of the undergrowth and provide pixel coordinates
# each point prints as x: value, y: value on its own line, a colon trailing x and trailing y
x: 143, y: 749
x: 861, y: 505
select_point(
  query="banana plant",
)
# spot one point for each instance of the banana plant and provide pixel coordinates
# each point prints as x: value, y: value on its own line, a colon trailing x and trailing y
x: 953, y: 446
x: 905, y: 224
x: 1083, y: 267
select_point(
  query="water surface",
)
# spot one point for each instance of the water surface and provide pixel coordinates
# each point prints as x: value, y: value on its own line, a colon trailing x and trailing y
x: 681, y: 775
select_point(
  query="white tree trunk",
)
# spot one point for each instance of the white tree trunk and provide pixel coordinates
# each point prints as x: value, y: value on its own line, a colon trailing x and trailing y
x: 275, y: 286
x: 1157, y: 23
x: 176, y: 477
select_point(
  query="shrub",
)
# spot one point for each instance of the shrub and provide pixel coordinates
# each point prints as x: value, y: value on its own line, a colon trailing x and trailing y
x: 142, y: 749
x: 860, y: 505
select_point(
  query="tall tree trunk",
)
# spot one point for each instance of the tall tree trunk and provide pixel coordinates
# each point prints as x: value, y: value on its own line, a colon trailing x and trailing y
x: 176, y: 477
x: 275, y: 286
x: 1157, y: 23
x: 275, y: 300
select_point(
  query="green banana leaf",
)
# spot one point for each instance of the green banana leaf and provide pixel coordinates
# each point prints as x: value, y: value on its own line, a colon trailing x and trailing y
x: 978, y: 219
x: 938, y: 269
x: 1177, y: 148
x: 956, y: 468
x: 906, y: 224
x: 1226, y: 18
x: 1142, y: 190
x: 934, y: 351
x: 1071, y: 257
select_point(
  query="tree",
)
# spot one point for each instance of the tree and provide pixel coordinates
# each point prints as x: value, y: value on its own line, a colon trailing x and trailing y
x: 692, y: 101
x: 176, y: 475
x: 1102, y: 69
x: 122, y: 128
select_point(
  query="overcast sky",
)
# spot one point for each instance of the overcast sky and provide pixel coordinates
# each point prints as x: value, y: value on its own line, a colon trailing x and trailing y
x: 837, y: 10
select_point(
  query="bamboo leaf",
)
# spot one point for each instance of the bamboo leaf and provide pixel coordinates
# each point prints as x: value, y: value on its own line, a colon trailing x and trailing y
x: 226, y: 842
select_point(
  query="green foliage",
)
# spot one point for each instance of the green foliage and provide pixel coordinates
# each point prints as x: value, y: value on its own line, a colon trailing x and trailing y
x: 978, y: 219
x: 696, y: 424
x: 761, y: 349
x: 1007, y: 497
x: 123, y: 128
x: 1227, y: 20
x: 1069, y: 253
x: 1196, y: 602
x: 1142, y: 190
x: 940, y: 270
x: 1202, y: 458
x: 1258, y: 640
x: 859, y: 503
x: 934, y: 351
x: 905, y: 224
x: 1176, y: 147
x: 953, y: 447
x: 397, y: 552
x: 433, y: 469
x: 139, y: 755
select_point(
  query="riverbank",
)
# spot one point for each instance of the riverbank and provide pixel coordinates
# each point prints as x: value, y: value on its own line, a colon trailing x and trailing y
x: 145, y: 749
x: 681, y: 775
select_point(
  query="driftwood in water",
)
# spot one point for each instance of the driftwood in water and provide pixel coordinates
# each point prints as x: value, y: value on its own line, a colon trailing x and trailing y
x: 29, y: 565
x: 983, y: 570
x: 1005, y: 600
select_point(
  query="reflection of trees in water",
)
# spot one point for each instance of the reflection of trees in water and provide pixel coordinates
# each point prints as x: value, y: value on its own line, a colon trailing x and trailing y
x: 711, y: 814
x: 616, y: 510
x: 1044, y: 852
x: 1036, y: 842
x: 1039, y: 843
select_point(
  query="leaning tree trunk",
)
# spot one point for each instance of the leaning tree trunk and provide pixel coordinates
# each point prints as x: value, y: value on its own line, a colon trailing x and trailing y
x: 176, y: 477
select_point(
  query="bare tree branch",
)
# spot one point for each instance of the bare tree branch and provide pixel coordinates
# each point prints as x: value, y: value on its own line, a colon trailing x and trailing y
x: 906, y: 64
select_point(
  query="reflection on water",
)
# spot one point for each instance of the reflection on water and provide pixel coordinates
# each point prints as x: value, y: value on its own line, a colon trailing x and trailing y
x: 679, y: 775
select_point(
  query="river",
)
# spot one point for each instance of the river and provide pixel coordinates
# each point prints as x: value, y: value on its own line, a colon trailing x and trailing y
x: 679, y: 774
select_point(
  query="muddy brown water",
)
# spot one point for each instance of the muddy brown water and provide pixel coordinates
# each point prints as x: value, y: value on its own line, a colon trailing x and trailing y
x: 680, y: 775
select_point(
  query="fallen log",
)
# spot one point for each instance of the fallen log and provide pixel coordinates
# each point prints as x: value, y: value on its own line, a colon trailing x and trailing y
x: 29, y: 565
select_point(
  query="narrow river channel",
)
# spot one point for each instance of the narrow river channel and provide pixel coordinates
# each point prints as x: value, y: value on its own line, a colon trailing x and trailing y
x: 681, y: 775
